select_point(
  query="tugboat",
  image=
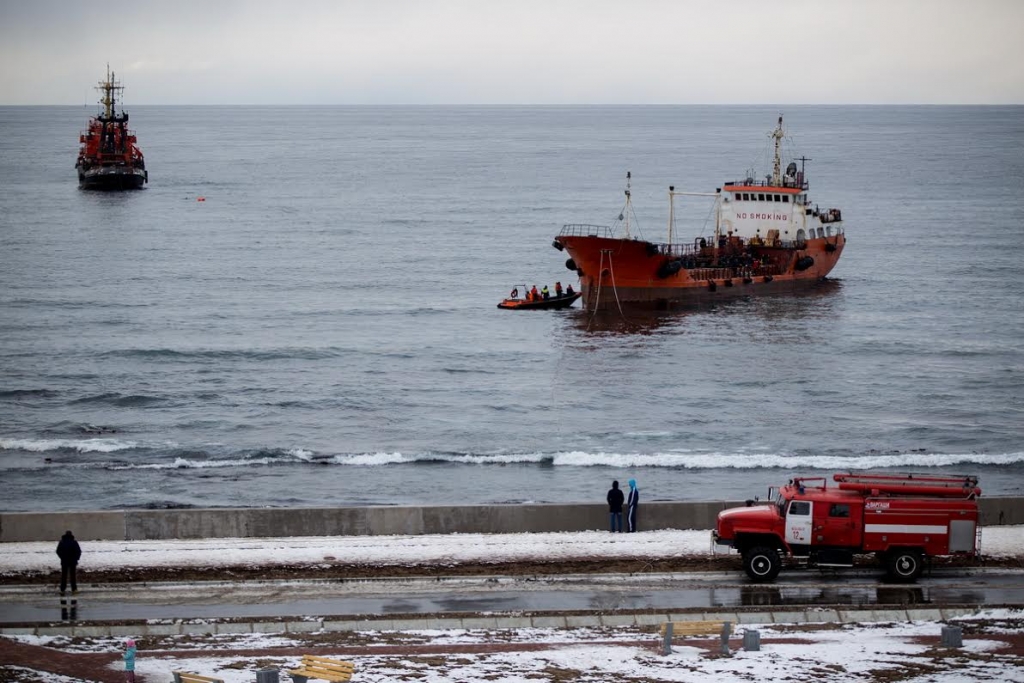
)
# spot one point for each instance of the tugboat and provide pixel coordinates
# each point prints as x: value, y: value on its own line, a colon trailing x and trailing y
x: 109, y: 158
x: 768, y: 237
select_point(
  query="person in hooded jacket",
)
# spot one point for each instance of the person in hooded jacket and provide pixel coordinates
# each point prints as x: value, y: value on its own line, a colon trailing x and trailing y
x: 615, y: 500
x: 631, y: 505
x: 69, y: 553
x: 129, y: 660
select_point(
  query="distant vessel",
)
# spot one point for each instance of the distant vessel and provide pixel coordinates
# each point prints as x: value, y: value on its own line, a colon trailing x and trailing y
x: 109, y: 158
x: 768, y: 238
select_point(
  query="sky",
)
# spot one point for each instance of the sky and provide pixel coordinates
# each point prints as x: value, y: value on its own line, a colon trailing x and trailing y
x: 516, y: 51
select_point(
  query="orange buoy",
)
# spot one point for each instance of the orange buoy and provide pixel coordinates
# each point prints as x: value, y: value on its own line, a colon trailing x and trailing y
x: 200, y: 199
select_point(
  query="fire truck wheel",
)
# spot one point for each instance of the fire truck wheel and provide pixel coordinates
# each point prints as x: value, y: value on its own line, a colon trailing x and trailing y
x: 762, y: 564
x: 905, y: 565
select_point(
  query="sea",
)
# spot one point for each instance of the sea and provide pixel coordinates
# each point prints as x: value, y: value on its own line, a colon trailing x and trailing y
x: 300, y: 308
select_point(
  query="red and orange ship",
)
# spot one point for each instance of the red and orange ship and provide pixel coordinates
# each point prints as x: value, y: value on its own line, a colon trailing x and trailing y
x: 109, y: 158
x: 768, y: 238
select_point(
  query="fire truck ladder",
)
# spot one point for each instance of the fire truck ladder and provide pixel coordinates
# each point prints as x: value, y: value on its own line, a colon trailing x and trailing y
x: 953, y: 486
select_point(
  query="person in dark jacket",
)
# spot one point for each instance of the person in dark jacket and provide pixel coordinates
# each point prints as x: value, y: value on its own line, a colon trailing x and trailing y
x: 615, y: 500
x: 631, y: 505
x: 69, y: 553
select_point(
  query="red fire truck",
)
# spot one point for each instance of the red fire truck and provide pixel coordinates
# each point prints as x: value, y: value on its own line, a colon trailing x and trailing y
x: 902, y: 518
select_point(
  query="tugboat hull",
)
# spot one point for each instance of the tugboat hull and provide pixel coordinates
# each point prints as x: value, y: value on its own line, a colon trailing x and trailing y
x: 112, y: 179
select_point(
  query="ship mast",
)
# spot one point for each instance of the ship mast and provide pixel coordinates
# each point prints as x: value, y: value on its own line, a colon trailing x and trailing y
x: 109, y: 89
x: 629, y: 203
x: 671, y: 212
x: 777, y: 134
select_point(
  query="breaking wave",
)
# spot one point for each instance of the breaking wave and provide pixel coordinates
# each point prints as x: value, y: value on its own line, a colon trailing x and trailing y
x: 79, y: 445
x: 689, y: 460
x: 168, y: 456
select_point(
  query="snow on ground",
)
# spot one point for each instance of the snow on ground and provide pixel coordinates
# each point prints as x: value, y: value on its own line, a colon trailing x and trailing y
x: 853, y: 652
x: 997, y: 541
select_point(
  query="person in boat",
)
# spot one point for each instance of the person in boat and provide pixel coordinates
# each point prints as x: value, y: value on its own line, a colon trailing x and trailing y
x: 558, y: 290
x: 514, y: 294
x: 569, y: 290
x: 533, y: 293
x: 545, y: 293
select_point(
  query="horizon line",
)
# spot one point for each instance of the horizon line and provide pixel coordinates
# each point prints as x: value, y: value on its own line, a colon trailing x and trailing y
x: 541, y: 104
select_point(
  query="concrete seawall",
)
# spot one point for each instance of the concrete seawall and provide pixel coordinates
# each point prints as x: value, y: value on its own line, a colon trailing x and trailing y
x: 138, y: 525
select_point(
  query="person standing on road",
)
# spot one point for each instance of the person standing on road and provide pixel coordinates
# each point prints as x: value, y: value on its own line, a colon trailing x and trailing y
x: 69, y: 553
x: 129, y: 660
x: 631, y: 505
x: 615, y: 500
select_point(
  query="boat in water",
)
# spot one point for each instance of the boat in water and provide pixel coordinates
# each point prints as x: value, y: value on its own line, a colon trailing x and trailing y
x: 528, y: 302
x: 768, y: 238
x: 109, y: 158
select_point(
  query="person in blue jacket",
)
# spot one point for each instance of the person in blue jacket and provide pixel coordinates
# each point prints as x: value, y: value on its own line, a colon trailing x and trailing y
x: 632, y: 503
x: 129, y: 660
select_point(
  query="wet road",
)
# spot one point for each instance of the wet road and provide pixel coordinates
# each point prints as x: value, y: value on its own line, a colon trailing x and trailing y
x: 581, y: 593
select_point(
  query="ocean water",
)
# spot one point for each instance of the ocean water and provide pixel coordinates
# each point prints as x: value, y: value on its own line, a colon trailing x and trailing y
x: 322, y: 328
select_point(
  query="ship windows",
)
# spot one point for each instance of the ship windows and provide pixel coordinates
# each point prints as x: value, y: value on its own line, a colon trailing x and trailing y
x: 775, y: 198
x: 785, y: 198
x: 746, y: 196
x: 760, y: 197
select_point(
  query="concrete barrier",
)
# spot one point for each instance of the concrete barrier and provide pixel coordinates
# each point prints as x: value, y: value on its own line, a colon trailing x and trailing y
x: 135, y: 525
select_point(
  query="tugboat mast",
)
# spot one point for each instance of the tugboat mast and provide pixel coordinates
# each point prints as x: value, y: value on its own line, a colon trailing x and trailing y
x: 109, y: 88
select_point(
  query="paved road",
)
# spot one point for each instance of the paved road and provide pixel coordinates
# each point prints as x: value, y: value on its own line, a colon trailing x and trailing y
x: 582, y: 593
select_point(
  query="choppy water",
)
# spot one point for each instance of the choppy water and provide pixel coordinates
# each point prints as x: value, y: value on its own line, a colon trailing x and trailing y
x: 322, y: 330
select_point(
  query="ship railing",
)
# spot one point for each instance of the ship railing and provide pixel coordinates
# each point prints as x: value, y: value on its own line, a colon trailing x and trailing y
x: 726, y: 273
x: 586, y: 230
x: 676, y: 249
x: 787, y: 181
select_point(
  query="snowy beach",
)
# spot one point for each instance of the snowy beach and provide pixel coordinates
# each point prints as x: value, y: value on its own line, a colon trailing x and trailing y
x: 449, y: 550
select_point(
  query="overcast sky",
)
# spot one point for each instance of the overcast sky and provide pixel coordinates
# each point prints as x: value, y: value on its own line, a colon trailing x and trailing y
x: 515, y: 51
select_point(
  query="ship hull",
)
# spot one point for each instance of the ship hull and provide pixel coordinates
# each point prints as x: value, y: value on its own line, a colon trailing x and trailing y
x: 112, y: 178
x: 631, y: 274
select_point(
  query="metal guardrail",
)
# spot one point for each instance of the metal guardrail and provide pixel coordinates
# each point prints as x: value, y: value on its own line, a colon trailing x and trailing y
x: 586, y: 230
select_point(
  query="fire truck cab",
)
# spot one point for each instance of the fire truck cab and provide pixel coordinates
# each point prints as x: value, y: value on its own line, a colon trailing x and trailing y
x: 904, y: 519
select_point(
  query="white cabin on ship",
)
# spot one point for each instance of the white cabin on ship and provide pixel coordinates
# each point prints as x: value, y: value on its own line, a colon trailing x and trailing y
x: 778, y: 207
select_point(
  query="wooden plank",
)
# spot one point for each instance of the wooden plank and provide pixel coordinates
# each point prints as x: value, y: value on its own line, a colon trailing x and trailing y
x: 334, y: 670
x: 187, y: 677
x: 338, y: 677
x: 311, y: 660
x: 692, y: 628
